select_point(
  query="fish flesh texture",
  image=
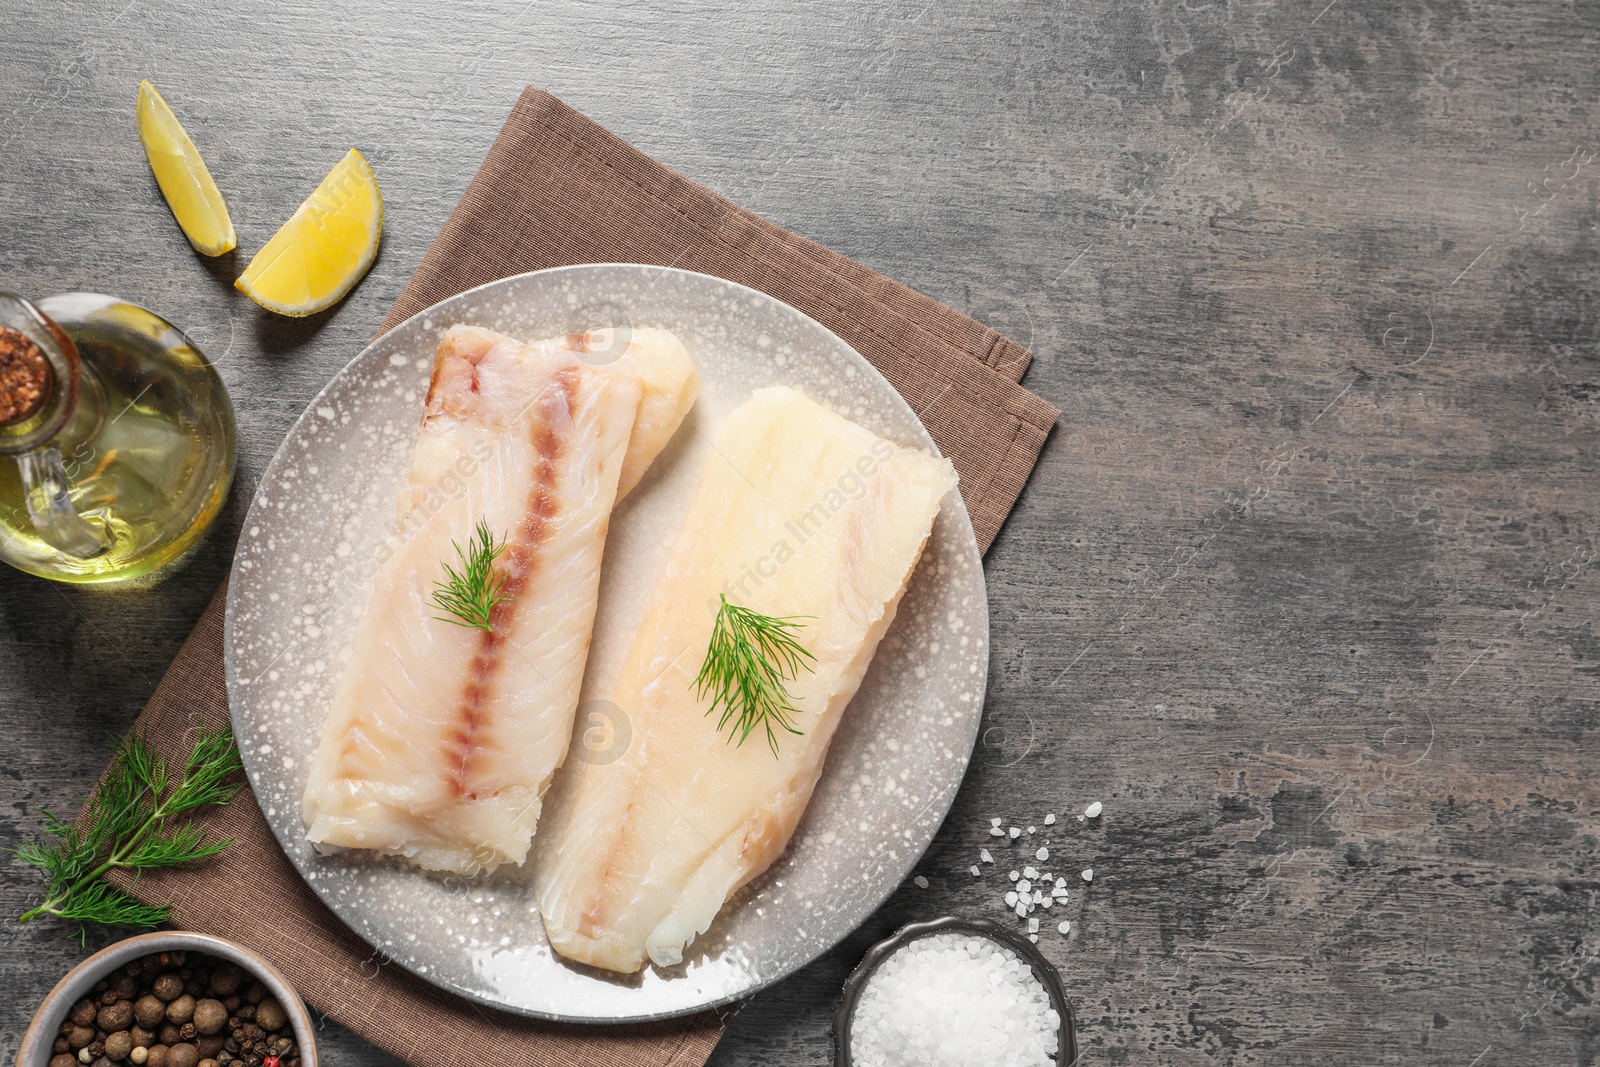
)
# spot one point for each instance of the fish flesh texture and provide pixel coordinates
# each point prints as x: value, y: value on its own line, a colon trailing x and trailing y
x: 800, y: 513
x: 442, y: 738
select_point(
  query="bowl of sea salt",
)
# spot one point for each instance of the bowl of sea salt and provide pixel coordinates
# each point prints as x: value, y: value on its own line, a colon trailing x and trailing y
x: 951, y: 993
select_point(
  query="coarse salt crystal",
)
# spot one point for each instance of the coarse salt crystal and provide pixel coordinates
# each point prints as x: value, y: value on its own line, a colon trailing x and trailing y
x: 1022, y: 909
x: 953, y: 999
x: 1093, y: 810
x: 1030, y: 872
x: 1065, y: 926
x: 922, y: 883
x: 1042, y: 854
x: 1034, y: 938
x: 1011, y: 899
x: 983, y: 854
x: 995, y: 831
x: 1088, y: 875
x: 1015, y: 832
x: 995, y: 821
x: 1024, y: 886
x: 1033, y: 829
x: 975, y: 871
x: 1033, y: 926
x: 1014, y: 876
x: 1050, y: 820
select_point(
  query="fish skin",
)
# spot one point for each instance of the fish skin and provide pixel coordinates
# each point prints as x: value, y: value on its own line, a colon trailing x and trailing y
x: 649, y: 847
x: 442, y: 739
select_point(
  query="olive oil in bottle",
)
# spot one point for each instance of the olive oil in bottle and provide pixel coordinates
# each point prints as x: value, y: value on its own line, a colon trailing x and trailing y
x: 116, y: 439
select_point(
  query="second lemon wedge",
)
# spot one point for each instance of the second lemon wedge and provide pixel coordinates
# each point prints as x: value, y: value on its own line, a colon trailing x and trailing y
x: 193, y: 196
x: 326, y: 246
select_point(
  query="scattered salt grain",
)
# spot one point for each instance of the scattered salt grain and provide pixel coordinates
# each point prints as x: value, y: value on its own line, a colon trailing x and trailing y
x: 1093, y: 810
x: 975, y: 871
x: 1088, y: 875
x: 1042, y: 854
x: 1034, y: 938
x: 983, y: 854
x: 1016, y: 832
x: 995, y: 831
x: 950, y: 999
x: 1030, y: 872
x: 1011, y: 899
x: 1033, y: 829
x: 1065, y: 926
x: 995, y: 821
x: 1014, y: 876
x: 1024, y: 886
x: 1050, y: 820
x: 1033, y: 926
x: 922, y: 883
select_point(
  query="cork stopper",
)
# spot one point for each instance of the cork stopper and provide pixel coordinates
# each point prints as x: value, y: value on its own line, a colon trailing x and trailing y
x: 25, y: 376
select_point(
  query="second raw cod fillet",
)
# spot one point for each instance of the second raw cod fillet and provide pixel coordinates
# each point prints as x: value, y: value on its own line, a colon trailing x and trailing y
x: 801, y: 513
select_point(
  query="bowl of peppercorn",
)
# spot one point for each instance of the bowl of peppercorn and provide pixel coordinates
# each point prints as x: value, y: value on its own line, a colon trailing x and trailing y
x: 171, y: 999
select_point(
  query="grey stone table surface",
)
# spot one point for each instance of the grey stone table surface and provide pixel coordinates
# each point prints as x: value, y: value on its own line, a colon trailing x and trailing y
x: 1304, y: 586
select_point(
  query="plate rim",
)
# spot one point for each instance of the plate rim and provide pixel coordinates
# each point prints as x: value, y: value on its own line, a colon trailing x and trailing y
x: 964, y: 530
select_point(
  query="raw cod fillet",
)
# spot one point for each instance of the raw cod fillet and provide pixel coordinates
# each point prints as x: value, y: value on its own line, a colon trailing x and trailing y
x: 801, y: 512
x: 442, y: 738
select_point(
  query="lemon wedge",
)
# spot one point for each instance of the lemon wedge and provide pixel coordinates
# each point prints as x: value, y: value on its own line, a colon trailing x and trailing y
x: 182, y: 175
x: 326, y: 246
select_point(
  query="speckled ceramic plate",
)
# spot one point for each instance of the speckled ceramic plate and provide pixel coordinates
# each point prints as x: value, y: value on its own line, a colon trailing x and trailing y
x: 314, y: 530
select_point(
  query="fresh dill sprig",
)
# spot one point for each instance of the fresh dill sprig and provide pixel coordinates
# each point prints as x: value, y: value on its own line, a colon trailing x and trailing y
x: 468, y: 596
x: 127, y: 823
x: 750, y: 657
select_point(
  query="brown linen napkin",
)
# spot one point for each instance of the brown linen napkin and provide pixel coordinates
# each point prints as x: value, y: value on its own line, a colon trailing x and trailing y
x: 556, y: 189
